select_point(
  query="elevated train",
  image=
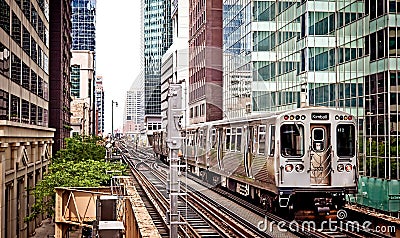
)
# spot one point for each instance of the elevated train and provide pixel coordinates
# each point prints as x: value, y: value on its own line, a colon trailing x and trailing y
x: 300, y: 163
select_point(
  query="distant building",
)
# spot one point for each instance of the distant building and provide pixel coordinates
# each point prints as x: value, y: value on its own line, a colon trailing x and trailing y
x: 26, y: 141
x: 82, y: 84
x: 205, y: 60
x: 83, y: 34
x: 133, y: 121
x: 99, y: 98
x: 83, y: 25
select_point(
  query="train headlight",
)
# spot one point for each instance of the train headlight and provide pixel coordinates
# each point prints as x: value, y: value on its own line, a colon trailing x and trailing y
x: 349, y: 118
x: 291, y: 117
x: 340, y: 167
x: 349, y: 167
x: 297, y: 117
x: 289, y: 168
x: 303, y: 117
x: 337, y: 117
x: 299, y: 168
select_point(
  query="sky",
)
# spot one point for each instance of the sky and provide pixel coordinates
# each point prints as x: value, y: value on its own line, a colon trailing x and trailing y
x: 117, y: 53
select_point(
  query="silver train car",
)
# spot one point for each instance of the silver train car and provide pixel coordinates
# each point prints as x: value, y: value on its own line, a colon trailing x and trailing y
x: 300, y: 163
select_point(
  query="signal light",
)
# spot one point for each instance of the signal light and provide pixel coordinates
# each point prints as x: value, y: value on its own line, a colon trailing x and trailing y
x: 336, y: 117
x: 291, y: 117
x: 303, y: 117
x: 286, y: 117
x: 350, y: 117
x: 349, y: 167
x: 299, y: 168
x: 340, y: 167
x: 341, y: 117
x: 345, y: 117
x: 289, y: 168
x: 297, y: 117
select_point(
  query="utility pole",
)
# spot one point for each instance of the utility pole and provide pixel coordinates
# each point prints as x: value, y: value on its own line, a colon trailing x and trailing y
x: 174, y: 142
x: 112, y: 117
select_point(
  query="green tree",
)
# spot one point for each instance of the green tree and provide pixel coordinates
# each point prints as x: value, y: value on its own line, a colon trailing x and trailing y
x: 81, y: 164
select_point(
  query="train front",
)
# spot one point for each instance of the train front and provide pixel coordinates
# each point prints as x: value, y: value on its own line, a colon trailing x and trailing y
x: 317, y: 160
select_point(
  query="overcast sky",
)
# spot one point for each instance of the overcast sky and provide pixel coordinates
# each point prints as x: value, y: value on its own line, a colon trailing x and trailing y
x: 117, y: 52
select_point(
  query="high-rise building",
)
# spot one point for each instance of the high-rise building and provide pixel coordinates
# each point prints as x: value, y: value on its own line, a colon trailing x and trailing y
x: 157, y: 39
x: 82, y: 88
x: 26, y: 141
x: 133, y: 121
x: 60, y: 48
x: 99, y: 123
x: 205, y: 60
x: 83, y: 25
x: 340, y: 54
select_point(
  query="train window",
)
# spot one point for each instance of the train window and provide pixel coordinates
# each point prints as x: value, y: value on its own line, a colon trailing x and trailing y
x: 292, y: 140
x: 345, y: 140
x: 228, y: 138
x: 238, y: 139
x: 271, y: 140
x: 233, y: 139
x: 213, y: 138
x: 261, y: 139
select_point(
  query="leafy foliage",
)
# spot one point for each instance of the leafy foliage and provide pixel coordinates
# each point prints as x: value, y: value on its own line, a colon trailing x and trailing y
x: 81, y: 164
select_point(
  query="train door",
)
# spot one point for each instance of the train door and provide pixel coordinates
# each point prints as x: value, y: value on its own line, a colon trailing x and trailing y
x: 320, y: 155
x: 248, y: 155
x: 220, y: 147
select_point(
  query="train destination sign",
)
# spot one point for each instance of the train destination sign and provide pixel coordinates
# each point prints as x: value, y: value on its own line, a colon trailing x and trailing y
x: 320, y: 116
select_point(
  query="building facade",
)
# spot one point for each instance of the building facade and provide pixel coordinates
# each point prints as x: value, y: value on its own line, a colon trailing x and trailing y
x: 175, y: 62
x: 82, y: 88
x: 60, y: 48
x: 99, y: 98
x: 133, y: 121
x: 157, y: 39
x: 341, y: 54
x: 83, y: 25
x: 205, y: 60
x: 26, y: 140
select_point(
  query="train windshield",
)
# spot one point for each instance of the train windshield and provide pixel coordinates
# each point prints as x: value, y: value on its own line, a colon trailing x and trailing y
x: 292, y: 140
x: 345, y: 140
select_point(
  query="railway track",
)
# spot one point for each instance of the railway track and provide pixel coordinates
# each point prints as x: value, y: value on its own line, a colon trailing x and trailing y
x: 297, y: 229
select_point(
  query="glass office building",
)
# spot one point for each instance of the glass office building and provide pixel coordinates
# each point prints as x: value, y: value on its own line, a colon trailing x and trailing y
x: 157, y: 25
x: 83, y: 25
x: 341, y: 54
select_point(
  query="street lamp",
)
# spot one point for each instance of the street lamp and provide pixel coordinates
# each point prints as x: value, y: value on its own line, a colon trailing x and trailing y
x: 112, y: 117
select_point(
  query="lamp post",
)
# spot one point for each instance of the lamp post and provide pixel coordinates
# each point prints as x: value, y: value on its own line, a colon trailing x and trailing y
x: 112, y: 117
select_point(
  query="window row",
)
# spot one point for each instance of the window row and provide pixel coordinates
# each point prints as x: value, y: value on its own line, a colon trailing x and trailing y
x: 15, y: 109
x: 27, y: 78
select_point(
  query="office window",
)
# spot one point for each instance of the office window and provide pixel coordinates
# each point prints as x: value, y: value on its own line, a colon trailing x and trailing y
x: 15, y: 69
x: 33, y: 113
x: 3, y: 105
x: 25, y: 76
x: 15, y: 108
x: 5, y: 16
x: 25, y: 111
x: 16, y: 29
x: 26, y: 40
x: 33, y: 82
